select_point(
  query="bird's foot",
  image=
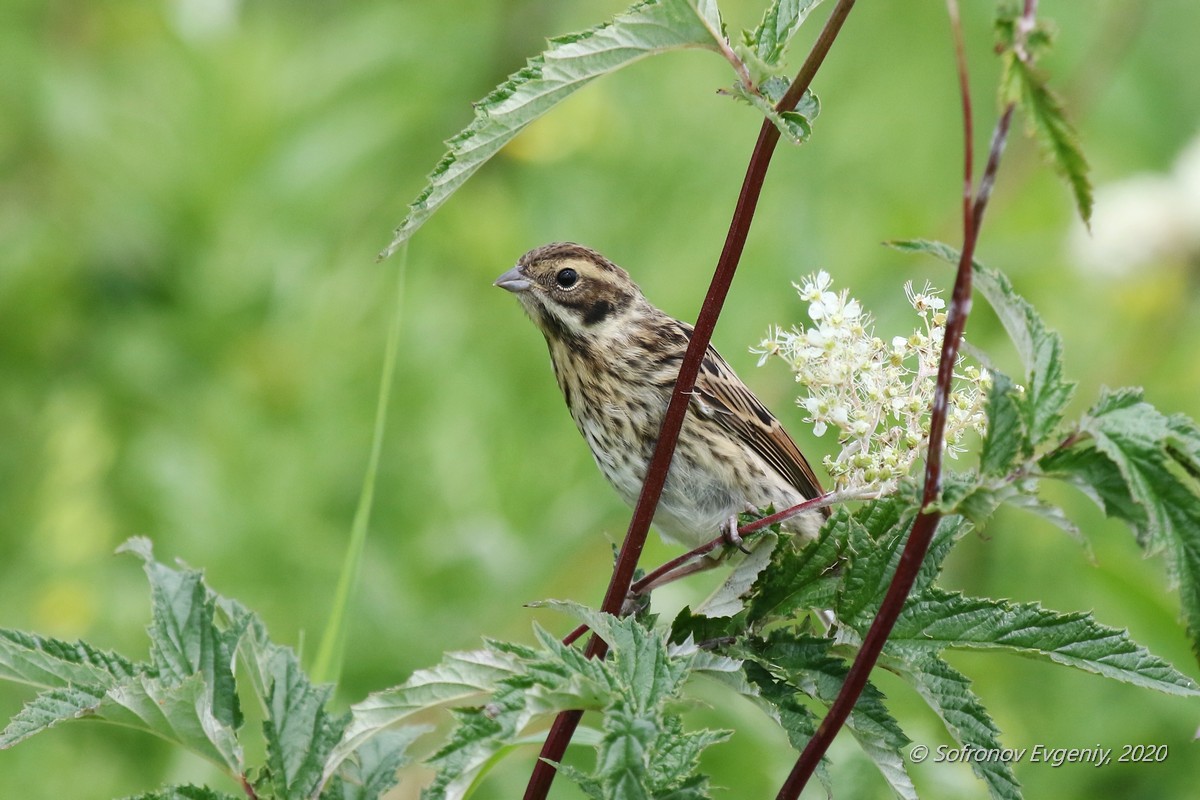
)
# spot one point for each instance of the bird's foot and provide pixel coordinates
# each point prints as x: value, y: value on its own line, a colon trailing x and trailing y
x: 729, y: 532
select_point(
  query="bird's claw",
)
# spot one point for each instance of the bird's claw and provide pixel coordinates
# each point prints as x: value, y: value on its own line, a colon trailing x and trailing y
x: 729, y: 532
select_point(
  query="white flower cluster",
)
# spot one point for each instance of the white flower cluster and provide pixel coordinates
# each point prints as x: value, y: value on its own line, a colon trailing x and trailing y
x: 877, y: 395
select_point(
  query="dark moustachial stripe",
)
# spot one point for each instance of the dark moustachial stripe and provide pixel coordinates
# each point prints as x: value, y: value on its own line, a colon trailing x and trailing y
x: 555, y: 331
x: 551, y: 325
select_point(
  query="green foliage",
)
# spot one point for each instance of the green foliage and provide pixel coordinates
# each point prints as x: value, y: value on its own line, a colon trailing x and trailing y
x: 796, y: 125
x: 187, y: 693
x: 643, y: 750
x: 783, y: 640
x: 948, y: 693
x: 1139, y: 465
x: 649, y: 27
x: 1022, y: 83
x: 762, y: 51
x: 764, y: 48
x: 184, y: 793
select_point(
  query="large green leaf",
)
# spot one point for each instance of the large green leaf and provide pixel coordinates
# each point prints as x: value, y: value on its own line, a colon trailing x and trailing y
x: 647, y: 28
x: 459, y: 679
x: 948, y: 693
x: 299, y: 730
x: 796, y: 579
x: 50, y: 708
x: 184, y: 637
x: 939, y: 619
x: 371, y: 770
x: 1005, y: 432
x: 1156, y: 457
x: 179, y: 712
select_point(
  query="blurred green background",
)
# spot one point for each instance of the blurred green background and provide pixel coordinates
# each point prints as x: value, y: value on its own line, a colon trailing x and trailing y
x: 192, y: 194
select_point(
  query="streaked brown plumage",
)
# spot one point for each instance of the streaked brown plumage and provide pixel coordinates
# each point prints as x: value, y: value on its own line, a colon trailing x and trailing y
x: 616, y: 357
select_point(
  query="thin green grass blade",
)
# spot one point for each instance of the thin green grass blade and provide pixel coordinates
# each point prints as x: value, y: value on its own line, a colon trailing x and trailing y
x: 327, y: 666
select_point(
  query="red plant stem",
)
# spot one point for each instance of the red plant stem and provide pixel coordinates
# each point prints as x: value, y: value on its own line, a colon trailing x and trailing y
x: 927, y: 521
x: 964, y: 91
x: 676, y: 563
x: 574, y: 635
x: 656, y: 473
x: 779, y: 516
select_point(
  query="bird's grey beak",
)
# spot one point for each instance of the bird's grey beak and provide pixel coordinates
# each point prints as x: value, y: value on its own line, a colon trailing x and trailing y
x: 514, y: 280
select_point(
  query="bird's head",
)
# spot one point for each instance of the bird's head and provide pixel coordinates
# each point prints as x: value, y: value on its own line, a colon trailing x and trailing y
x: 571, y: 291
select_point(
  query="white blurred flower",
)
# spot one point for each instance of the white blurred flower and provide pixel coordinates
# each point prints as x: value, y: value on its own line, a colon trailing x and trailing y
x: 876, y: 393
x: 1144, y: 220
x: 202, y: 20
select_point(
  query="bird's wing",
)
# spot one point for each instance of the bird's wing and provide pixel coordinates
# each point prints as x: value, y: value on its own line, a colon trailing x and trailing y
x: 722, y: 397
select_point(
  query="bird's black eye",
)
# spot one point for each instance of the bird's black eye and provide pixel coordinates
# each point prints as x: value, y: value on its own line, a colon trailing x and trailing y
x: 566, y: 278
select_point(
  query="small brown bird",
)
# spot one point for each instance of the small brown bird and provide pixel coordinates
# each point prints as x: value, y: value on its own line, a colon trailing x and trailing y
x: 616, y: 358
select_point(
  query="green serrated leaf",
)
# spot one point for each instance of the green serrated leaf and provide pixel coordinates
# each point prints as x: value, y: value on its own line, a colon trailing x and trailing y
x: 724, y: 670
x: 643, y: 750
x: 300, y: 733
x: 806, y: 664
x: 784, y: 706
x: 178, y: 711
x: 1116, y: 400
x: 1183, y: 443
x: 676, y: 758
x: 1006, y: 440
x: 1153, y: 454
x: 781, y: 21
x: 623, y: 758
x: 647, y: 28
x: 700, y: 628
x: 938, y: 619
x: 184, y: 637
x: 50, y: 663
x: 645, y: 753
x: 948, y: 693
x: 460, y: 678
x: 950, y: 529
x: 50, y: 708
x: 1097, y: 476
x: 868, y: 571
x: 729, y: 599
x: 1133, y: 434
x: 794, y: 125
x: 976, y: 499
x: 541, y: 682
x: 371, y: 770
x: 796, y: 579
x: 1046, y: 121
x: 887, y: 522
x: 479, y: 734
